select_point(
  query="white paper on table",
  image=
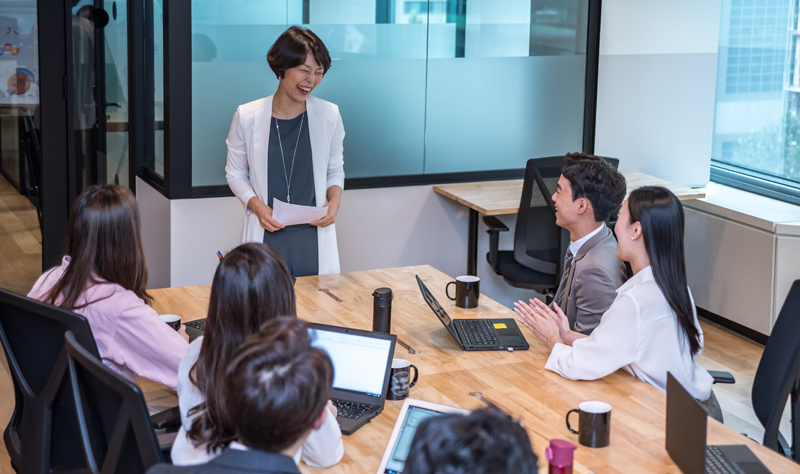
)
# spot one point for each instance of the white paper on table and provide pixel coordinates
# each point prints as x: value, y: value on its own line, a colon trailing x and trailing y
x: 293, y: 214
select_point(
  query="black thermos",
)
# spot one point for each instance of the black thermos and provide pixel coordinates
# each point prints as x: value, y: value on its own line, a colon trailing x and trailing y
x: 382, y: 310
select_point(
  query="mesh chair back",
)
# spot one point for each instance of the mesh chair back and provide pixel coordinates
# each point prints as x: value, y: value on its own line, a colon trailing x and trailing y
x: 41, y: 435
x: 539, y: 243
x: 115, y: 429
x: 779, y: 369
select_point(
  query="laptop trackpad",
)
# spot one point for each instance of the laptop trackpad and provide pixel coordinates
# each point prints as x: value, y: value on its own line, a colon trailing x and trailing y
x: 743, y: 458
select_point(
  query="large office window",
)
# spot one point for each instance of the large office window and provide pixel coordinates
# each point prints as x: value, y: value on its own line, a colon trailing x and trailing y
x: 756, y: 142
x: 424, y: 87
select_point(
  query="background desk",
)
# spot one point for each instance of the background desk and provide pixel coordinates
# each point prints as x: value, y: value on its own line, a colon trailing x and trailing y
x: 494, y: 198
x: 516, y: 381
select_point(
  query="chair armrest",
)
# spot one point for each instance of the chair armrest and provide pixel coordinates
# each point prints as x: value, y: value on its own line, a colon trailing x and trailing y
x: 722, y: 377
x: 495, y: 227
x: 169, y: 420
x: 494, y: 224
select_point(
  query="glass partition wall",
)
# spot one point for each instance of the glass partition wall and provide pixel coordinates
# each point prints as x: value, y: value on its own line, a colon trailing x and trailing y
x: 428, y: 90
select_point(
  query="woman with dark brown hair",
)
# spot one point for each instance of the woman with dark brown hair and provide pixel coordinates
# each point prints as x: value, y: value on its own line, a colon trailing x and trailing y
x: 103, y: 277
x: 308, y: 171
x: 251, y: 287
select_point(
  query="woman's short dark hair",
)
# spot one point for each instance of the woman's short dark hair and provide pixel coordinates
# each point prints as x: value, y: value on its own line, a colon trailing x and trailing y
x: 292, y: 47
x: 276, y: 386
x: 595, y: 179
x: 104, y: 242
x: 483, y: 442
x: 251, y: 287
x: 660, y: 214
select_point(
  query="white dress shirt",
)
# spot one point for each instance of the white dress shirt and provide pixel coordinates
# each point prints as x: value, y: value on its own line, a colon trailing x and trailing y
x: 322, y: 447
x: 574, y: 247
x: 639, y: 333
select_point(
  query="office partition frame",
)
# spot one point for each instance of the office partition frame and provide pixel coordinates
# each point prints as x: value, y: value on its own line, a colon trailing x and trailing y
x: 177, y: 180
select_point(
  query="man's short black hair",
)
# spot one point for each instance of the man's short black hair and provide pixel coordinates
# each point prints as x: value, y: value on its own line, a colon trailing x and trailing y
x: 276, y: 385
x: 483, y: 442
x: 292, y: 47
x: 595, y: 179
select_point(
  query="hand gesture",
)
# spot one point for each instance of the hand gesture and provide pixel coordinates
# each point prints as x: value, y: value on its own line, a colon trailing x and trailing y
x: 264, y: 214
x: 330, y: 217
x: 539, y: 322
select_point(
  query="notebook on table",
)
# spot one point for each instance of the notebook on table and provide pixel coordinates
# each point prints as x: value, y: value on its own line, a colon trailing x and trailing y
x: 362, y: 361
x: 411, y: 415
x: 687, y: 425
x: 477, y: 334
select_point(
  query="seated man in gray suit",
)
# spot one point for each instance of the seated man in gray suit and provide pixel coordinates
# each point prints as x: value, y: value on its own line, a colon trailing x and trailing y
x: 276, y: 391
x: 588, y: 191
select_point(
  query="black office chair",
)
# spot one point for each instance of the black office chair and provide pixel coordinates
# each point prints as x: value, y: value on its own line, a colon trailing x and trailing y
x: 537, y: 261
x: 115, y: 429
x: 42, y: 435
x: 778, y: 376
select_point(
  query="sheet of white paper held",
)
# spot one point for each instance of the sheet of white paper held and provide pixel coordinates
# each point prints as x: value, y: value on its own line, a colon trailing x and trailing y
x: 292, y: 214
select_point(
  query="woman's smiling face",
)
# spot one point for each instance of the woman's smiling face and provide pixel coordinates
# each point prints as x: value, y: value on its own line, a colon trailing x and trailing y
x: 299, y: 81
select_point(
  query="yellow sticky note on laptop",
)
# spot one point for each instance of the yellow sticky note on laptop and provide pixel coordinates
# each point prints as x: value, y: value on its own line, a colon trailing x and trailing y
x: 500, y: 326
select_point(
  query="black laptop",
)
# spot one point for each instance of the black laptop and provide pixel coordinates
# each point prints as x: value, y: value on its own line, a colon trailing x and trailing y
x: 686, y: 439
x: 478, y: 334
x: 362, y: 361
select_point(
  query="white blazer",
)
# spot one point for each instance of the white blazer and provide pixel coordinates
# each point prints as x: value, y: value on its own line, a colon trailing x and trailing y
x: 246, y: 169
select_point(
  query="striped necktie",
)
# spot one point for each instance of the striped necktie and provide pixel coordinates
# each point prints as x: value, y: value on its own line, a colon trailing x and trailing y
x: 564, y: 276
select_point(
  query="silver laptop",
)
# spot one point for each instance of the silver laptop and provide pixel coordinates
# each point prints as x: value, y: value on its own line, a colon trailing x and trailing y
x: 362, y: 361
x: 411, y: 415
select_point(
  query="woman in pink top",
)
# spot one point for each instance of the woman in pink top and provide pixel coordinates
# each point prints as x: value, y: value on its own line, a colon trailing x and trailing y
x: 104, y: 277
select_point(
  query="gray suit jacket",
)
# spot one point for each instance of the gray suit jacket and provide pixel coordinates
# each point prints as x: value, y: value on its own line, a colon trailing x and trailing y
x: 232, y: 461
x: 591, y: 285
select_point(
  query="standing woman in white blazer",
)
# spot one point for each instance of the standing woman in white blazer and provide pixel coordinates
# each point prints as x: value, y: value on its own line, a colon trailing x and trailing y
x: 288, y: 146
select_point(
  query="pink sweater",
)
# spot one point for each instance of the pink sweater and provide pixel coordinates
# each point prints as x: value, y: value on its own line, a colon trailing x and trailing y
x: 131, y: 338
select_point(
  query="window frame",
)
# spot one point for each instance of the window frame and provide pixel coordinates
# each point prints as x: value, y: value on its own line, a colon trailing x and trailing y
x: 177, y: 180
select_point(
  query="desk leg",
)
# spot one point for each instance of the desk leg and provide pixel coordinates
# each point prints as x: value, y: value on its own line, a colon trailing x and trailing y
x: 472, y: 243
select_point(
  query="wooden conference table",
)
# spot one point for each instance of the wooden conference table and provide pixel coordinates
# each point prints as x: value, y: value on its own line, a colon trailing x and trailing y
x: 516, y: 381
x: 494, y: 198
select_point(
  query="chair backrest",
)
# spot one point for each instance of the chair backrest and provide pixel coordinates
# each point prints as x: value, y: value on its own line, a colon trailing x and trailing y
x: 539, y: 243
x: 115, y: 429
x: 41, y: 435
x: 779, y: 369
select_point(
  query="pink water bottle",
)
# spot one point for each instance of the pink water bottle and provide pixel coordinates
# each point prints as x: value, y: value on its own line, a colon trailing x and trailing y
x: 559, y: 455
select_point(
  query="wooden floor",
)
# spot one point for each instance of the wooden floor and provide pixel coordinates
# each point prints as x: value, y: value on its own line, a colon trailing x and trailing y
x: 20, y: 241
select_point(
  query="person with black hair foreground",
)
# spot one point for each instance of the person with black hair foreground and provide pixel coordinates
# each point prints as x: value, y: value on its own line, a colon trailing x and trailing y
x: 651, y: 328
x: 289, y: 146
x: 483, y: 442
x: 251, y: 287
x: 276, y: 389
x: 588, y: 192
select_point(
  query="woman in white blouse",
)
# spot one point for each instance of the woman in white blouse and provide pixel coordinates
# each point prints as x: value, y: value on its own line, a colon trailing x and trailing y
x: 251, y: 286
x: 651, y: 328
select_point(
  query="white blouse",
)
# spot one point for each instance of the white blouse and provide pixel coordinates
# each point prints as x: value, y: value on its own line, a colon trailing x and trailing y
x: 639, y: 333
x: 322, y: 447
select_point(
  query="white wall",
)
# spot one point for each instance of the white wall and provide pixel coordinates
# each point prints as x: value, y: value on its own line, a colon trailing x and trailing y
x: 656, y: 84
x: 376, y: 228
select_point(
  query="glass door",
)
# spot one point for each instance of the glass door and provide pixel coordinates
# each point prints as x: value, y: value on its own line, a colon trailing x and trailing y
x: 100, y: 92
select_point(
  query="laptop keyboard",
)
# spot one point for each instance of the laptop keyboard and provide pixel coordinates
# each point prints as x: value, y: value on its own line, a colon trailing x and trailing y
x: 351, y: 410
x: 716, y: 463
x: 197, y: 324
x: 477, y: 332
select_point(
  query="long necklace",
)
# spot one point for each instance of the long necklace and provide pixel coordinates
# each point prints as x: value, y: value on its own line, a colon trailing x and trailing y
x: 288, y: 177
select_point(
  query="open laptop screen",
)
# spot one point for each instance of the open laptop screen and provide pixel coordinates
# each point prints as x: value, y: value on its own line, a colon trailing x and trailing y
x: 359, y: 362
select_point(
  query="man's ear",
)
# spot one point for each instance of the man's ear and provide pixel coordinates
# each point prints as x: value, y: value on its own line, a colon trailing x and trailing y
x: 585, y: 206
x: 320, y: 419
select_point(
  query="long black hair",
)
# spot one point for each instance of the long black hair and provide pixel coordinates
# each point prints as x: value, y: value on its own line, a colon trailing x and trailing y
x: 660, y: 214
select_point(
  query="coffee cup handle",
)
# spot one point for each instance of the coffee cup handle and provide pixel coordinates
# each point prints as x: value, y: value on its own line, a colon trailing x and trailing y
x: 416, y: 375
x: 447, y: 291
x: 568, y: 425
